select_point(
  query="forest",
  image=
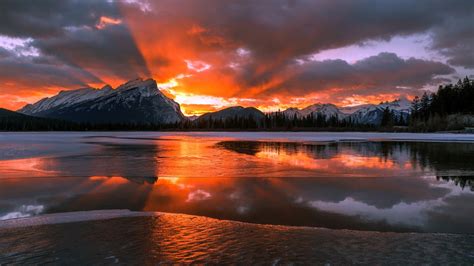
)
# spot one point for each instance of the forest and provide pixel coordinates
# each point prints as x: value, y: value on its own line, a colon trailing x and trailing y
x: 450, y: 108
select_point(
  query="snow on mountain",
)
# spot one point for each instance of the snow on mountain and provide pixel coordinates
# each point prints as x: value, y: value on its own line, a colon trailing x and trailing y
x: 327, y: 109
x: 364, y: 114
x: 352, y: 109
x: 292, y: 111
x: 372, y: 114
x: 64, y: 99
x: 137, y: 101
x: 192, y: 117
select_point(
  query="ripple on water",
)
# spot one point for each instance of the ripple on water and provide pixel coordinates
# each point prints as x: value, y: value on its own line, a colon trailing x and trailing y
x: 176, y: 238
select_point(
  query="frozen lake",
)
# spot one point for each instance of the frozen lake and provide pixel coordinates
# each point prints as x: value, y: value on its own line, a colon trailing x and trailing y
x: 358, y: 181
x: 368, y: 181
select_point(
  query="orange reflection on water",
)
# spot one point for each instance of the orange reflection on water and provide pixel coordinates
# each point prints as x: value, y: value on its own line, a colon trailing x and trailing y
x: 184, y: 194
x: 31, y: 167
x: 304, y: 160
x: 113, y: 180
x: 195, y: 157
x: 356, y: 161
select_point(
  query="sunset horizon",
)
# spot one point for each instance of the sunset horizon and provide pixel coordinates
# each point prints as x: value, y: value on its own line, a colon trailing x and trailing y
x: 242, y: 53
x: 236, y: 132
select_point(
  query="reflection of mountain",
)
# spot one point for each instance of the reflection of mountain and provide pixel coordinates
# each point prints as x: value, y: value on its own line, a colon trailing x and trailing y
x: 453, y: 159
x: 143, y: 179
x: 356, y: 185
x: 316, y: 150
x: 461, y: 181
x: 135, y: 162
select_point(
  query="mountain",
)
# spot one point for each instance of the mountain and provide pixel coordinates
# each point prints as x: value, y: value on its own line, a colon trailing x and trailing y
x: 5, y: 113
x: 327, y: 109
x: 234, y: 112
x: 10, y: 120
x: 135, y: 102
x: 352, y: 109
x: 192, y: 117
x: 362, y: 114
x: 372, y: 114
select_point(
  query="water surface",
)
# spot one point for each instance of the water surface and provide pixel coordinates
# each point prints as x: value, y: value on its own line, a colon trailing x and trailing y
x: 375, y: 184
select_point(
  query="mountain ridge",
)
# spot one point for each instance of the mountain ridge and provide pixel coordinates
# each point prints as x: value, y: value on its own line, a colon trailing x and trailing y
x: 137, y: 101
x: 362, y: 114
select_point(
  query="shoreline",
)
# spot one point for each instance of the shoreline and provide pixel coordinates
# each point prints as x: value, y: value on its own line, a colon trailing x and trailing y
x: 120, y: 236
x: 103, y: 215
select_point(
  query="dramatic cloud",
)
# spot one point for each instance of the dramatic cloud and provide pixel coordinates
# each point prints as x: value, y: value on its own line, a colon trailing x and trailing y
x: 376, y: 74
x: 212, y: 49
x: 455, y: 40
x: 28, y: 18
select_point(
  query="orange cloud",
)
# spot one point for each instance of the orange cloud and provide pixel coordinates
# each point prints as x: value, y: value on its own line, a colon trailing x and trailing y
x: 105, y: 21
x: 208, y: 59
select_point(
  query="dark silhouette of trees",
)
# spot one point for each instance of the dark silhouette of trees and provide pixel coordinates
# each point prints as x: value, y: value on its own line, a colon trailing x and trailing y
x: 431, y: 112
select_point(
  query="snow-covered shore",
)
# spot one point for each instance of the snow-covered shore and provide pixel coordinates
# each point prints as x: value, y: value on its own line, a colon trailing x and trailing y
x: 183, y: 239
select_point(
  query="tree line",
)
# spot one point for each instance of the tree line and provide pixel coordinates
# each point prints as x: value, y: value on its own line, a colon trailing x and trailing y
x: 450, y: 108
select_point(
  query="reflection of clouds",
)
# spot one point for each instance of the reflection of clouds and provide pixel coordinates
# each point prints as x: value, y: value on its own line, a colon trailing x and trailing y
x: 31, y: 167
x: 349, y: 185
x: 302, y: 159
x: 234, y: 195
x: 243, y: 209
x: 198, y: 195
x: 403, y: 213
x: 23, y: 211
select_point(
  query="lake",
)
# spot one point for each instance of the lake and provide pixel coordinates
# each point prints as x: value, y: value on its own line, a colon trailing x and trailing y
x: 356, y: 181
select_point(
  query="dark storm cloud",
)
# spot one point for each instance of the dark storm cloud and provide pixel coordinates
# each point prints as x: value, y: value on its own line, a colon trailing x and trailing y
x: 30, y: 73
x: 456, y: 41
x: 46, y: 18
x: 301, y: 27
x: 111, y: 50
x: 70, y: 30
x: 283, y: 29
x: 382, y: 72
x: 279, y: 31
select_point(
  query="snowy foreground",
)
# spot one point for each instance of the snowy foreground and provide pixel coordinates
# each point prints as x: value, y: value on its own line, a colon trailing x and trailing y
x: 177, y: 238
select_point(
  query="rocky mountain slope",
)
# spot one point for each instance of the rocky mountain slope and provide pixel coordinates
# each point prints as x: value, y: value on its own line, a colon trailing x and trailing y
x: 135, y: 102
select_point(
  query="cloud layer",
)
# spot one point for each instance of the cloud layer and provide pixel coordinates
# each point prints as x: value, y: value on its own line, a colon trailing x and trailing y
x: 229, y: 49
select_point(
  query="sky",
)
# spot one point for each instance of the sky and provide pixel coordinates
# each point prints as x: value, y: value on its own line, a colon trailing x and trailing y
x: 211, y: 54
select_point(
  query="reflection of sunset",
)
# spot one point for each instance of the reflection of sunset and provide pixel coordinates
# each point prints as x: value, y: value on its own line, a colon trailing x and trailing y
x: 303, y: 160
x: 364, y: 162
x: 32, y: 167
x: 113, y: 180
x: 255, y: 181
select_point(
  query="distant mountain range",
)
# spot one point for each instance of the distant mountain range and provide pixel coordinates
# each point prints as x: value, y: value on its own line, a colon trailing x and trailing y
x: 368, y: 114
x: 141, y: 102
x: 361, y: 114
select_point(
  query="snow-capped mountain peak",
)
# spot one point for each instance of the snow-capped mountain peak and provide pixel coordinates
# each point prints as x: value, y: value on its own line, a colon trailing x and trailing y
x: 107, y: 105
x: 364, y: 114
x: 327, y: 109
